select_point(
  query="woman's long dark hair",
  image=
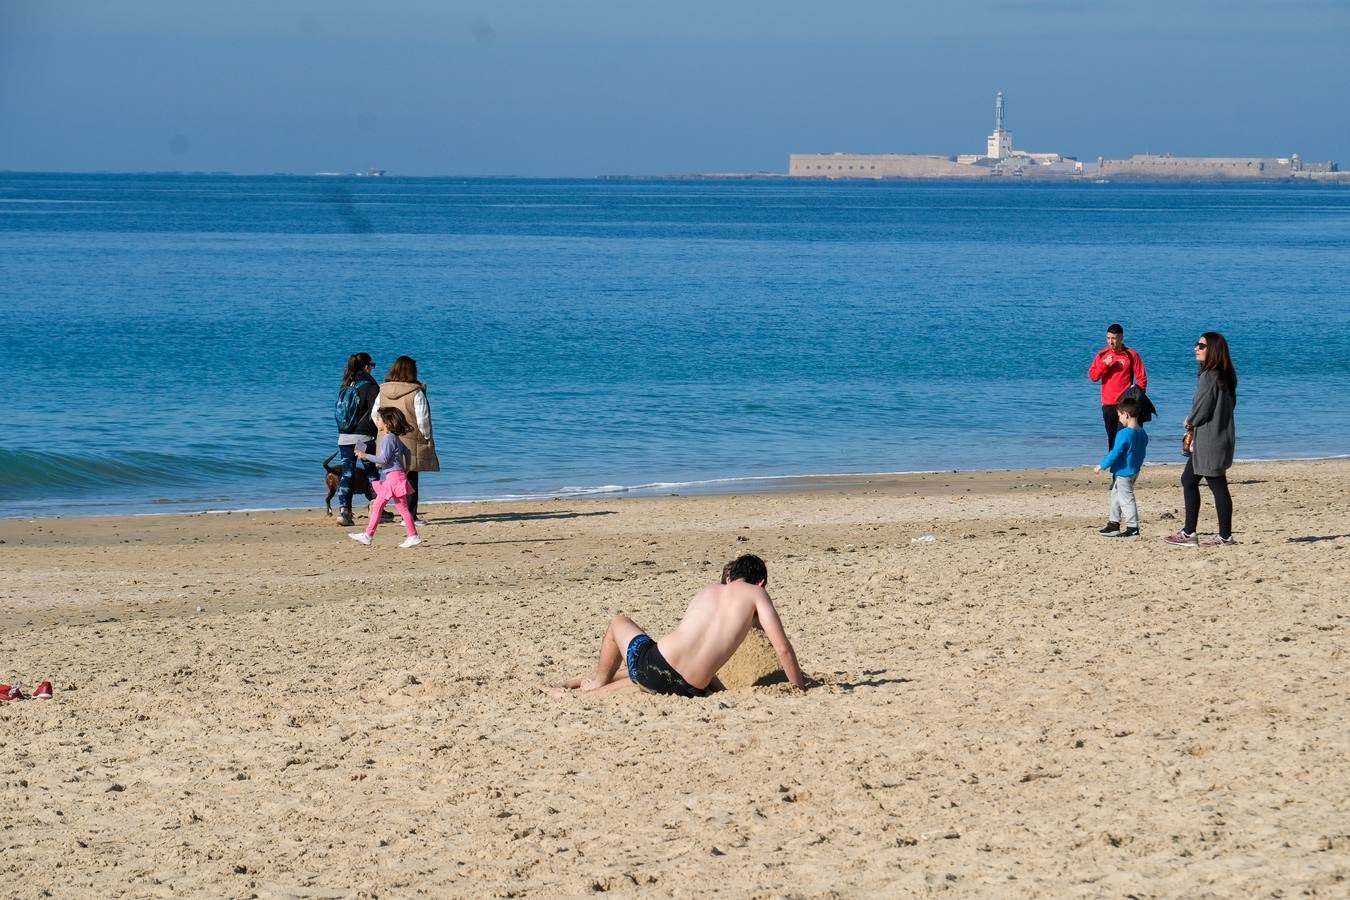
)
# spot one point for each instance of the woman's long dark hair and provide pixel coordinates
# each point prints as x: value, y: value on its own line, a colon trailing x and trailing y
x: 1220, y: 360
x: 356, y: 364
x: 403, y: 369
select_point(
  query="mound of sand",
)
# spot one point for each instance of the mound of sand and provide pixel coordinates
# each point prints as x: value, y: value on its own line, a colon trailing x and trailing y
x: 753, y: 663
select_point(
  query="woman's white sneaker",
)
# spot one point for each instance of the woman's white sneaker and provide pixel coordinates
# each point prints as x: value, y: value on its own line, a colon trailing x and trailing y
x: 360, y: 537
x: 411, y: 540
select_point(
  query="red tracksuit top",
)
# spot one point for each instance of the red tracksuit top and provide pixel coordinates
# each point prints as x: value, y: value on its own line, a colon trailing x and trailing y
x: 1127, y: 368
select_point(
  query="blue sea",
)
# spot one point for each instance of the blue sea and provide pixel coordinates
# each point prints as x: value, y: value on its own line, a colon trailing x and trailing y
x: 175, y: 342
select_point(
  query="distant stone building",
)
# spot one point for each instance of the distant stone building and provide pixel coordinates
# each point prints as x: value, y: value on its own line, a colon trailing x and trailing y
x: 1001, y: 159
x: 1149, y: 167
x: 880, y: 165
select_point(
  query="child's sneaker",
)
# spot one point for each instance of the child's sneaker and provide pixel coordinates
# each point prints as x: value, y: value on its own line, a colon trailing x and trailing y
x: 360, y: 537
x: 1182, y: 539
x: 1112, y: 529
x: 44, y: 691
x: 344, y: 519
x: 1129, y: 533
x: 411, y: 540
x: 10, y: 692
x: 1219, y: 541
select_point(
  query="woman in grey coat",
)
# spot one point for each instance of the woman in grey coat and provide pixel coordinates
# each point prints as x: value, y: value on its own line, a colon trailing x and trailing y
x: 1213, y: 438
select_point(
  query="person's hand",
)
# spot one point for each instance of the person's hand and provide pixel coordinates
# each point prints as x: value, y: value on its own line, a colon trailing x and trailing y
x: 1187, y: 424
x: 1096, y: 470
x: 1109, y: 359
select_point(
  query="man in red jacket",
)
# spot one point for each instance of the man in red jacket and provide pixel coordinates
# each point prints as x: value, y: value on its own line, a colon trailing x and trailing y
x: 1116, y: 367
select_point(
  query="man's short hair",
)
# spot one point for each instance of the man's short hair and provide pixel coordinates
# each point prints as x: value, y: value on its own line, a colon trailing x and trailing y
x: 748, y: 567
x: 1115, y: 328
x: 1129, y: 407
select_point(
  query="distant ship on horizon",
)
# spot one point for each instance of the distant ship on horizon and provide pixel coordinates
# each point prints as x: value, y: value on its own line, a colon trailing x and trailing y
x: 368, y: 173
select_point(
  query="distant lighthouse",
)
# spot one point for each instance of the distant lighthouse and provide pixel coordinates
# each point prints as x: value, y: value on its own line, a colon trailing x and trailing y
x: 1000, y: 142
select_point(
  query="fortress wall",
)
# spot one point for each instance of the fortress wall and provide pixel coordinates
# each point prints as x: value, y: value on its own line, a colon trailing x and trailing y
x: 879, y: 165
x: 1054, y: 171
x: 1139, y: 168
x: 1191, y: 167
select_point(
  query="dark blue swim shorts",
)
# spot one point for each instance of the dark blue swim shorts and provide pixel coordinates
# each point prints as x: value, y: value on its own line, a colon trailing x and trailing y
x: 648, y: 669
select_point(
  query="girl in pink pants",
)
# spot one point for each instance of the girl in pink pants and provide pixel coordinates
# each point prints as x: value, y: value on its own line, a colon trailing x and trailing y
x: 392, y: 458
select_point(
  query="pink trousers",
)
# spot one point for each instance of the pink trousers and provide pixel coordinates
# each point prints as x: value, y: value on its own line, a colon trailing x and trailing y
x: 393, y: 486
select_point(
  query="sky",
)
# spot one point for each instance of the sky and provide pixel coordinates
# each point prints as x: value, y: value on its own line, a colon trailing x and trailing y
x: 579, y: 88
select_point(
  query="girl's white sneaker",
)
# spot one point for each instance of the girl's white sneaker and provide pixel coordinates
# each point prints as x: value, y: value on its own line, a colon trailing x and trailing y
x: 411, y: 540
x: 360, y: 537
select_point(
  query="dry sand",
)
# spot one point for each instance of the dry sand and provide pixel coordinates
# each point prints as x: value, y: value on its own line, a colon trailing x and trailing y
x: 1018, y: 708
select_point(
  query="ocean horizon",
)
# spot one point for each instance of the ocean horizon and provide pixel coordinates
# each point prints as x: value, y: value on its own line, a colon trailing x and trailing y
x: 178, y: 339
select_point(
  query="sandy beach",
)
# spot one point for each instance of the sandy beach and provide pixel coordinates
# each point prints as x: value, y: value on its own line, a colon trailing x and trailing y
x: 253, y: 705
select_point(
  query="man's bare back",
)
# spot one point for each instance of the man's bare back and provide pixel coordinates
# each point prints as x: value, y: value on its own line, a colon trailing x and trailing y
x: 714, y: 625
x: 686, y: 661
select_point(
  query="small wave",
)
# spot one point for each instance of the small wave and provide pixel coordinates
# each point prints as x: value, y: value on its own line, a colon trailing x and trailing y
x: 95, y: 473
x: 1266, y: 459
x: 598, y: 489
x: 727, y: 485
x: 44, y: 201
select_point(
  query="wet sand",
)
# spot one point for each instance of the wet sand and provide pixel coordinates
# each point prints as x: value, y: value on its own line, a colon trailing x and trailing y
x: 251, y: 704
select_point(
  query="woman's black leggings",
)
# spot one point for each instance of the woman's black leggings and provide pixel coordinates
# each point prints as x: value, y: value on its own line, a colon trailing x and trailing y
x: 1223, y: 501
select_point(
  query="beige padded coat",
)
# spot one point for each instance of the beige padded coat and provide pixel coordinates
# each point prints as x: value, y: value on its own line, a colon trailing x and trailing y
x: 403, y: 396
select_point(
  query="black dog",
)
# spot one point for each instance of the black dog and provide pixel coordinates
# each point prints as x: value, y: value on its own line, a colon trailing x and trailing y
x: 360, y: 483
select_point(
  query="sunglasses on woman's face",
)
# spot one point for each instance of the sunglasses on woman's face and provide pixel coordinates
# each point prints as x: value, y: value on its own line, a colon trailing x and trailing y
x: 1200, y: 345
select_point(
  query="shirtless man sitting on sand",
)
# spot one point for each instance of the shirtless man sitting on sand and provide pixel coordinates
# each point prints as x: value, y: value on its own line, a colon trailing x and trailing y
x: 685, y: 662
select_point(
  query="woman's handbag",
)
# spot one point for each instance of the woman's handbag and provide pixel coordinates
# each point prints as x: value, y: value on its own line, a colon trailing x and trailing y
x: 1187, y: 439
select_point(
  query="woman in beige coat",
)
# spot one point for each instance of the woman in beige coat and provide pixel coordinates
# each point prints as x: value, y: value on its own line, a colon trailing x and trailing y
x: 404, y: 392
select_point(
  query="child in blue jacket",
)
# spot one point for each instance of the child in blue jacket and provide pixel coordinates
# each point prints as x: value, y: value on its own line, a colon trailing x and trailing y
x: 1124, y: 461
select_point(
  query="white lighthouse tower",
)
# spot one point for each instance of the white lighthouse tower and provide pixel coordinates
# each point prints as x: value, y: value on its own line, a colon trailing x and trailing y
x: 1000, y: 142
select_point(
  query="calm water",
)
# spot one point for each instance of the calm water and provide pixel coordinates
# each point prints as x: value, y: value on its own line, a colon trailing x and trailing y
x: 175, y: 342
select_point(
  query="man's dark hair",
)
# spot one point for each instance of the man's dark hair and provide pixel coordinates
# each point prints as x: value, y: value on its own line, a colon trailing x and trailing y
x: 1129, y: 407
x: 1115, y: 328
x: 748, y: 567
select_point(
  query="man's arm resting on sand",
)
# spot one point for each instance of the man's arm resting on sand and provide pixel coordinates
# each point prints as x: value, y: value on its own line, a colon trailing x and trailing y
x: 773, y: 630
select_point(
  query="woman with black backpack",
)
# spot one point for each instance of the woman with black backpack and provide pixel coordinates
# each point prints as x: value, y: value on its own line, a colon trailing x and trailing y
x: 356, y: 400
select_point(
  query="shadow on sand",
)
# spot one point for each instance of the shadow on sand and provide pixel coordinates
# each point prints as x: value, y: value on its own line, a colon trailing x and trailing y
x: 1313, y: 538
x: 870, y: 679
x: 517, y: 517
